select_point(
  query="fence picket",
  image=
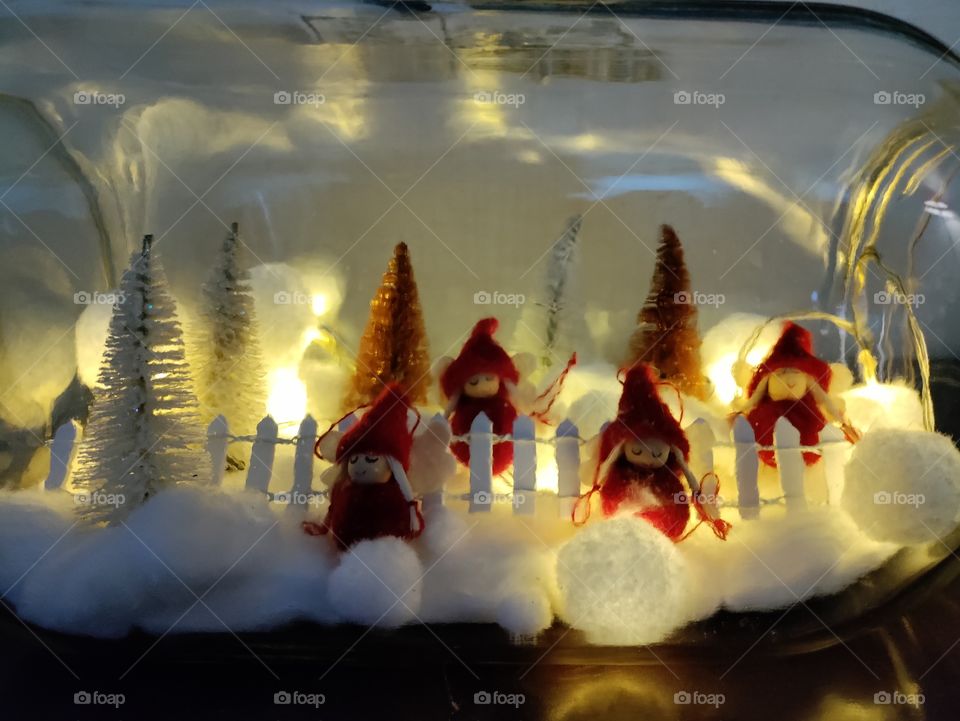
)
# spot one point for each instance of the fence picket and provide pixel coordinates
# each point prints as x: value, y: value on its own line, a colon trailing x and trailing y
x: 217, y: 443
x: 701, y: 440
x: 303, y: 462
x: 524, y: 466
x: 262, y: 455
x: 789, y: 457
x: 747, y: 465
x: 481, y: 463
x: 834, y: 457
x: 568, y: 466
x: 62, y: 451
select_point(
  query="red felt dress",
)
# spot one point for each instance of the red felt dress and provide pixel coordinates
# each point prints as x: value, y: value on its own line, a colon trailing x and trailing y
x: 628, y: 485
x: 805, y: 416
x: 501, y: 414
x: 362, y: 511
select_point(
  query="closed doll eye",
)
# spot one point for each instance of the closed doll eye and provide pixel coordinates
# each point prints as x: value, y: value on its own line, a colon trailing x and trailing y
x: 372, y: 459
x: 354, y: 460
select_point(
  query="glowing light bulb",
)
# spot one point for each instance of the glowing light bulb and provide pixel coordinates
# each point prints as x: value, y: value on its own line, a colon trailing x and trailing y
x: 319, y: 304
x: 287, y: 400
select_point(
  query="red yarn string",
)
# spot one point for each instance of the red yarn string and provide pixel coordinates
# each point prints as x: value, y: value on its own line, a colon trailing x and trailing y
x: 720, y: 527
x: 558, y: 384
x: 316, y: 446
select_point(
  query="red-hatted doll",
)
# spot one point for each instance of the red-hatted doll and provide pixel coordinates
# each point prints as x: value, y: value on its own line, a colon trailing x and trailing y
x: 642, y: 458
x: 371, y: 496
x: 484, y: 379
x: 481, y: 379
x: 793, y: 383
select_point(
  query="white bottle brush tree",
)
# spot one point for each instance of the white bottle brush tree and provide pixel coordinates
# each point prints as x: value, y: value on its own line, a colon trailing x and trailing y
x: 230, y: 375
x: 553, y: 325
x: 143, y: 433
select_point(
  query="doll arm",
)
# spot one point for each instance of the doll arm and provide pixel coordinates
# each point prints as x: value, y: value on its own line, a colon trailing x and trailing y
x: 688, y: 474
x: 758, y: 394
x: 835, y: 412
x: 451, y: 406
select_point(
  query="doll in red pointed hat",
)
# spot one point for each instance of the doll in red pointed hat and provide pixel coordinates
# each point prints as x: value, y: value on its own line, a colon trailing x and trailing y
x: 371, y: 496
x: 484, y: 379
x: 643, y: 456
x: 480, y: 380
x: 793, y: 383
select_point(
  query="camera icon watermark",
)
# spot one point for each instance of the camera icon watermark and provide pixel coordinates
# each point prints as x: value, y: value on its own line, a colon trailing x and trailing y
x: 296, y: 498
x: 896, y: 97
x: 99, y: 498
x: 298, y: 97
x: 884, y: 297
x: 85, y: 297
x: 683, y: 498
x: 495, y: 97
x: 698, y: 698
x: 697, y: 97
x: 95, y: 97
x: 489, y: 498
x: 695, y: 297
x: 898, y: 498
x: 99, y: 698
x: 483, y: 297
x: 299, y: 698
x: 497, y: 698
x: 285, y: 297
x: 898, y: 698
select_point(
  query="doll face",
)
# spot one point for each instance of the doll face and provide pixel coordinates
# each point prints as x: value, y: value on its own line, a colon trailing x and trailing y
x: 482, y: 385
x: 787, y: 384
x: 647, y: 452
x: 364, y: 468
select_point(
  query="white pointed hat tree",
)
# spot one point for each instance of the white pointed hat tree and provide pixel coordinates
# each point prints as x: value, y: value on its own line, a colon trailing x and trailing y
x: 229, y: 366
x: 144, y: 431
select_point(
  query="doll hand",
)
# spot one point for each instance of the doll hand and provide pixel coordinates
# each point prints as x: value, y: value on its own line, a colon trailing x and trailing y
x: 313, y: 529
x: 850, y: 432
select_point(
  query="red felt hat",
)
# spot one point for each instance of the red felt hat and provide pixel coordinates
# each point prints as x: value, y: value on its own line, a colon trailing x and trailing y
x: 642, y: 414
x: 480, y: 354
x: 383, y: 430
x: 794, y: 349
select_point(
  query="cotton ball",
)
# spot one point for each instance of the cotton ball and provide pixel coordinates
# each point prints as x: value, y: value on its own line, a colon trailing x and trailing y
x: 884, y: 405
x: 903, y: 486
x: 525, y: 613
x: 622, y: 582
x: 377, y: 582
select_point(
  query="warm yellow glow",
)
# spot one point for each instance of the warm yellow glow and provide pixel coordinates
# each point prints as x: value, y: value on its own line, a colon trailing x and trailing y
x: 287, y: 401
x: 320, y: 304
x: 883, y: 393
x: 720, y: 372
x: 548, y: 477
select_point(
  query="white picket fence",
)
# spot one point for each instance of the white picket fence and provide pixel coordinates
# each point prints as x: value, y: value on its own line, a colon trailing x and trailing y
x: 566, y: 443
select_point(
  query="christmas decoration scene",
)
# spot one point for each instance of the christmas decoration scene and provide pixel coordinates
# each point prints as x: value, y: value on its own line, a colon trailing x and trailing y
x: 492, y: 365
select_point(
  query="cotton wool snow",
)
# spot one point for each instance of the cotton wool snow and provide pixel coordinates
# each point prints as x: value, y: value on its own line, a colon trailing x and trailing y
x: 530, y: 340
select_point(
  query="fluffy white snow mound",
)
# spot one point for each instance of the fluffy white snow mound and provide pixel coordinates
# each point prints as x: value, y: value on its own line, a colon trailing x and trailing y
x: 623, y: 582
x: 904, y: 486
x: 378, y: 583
